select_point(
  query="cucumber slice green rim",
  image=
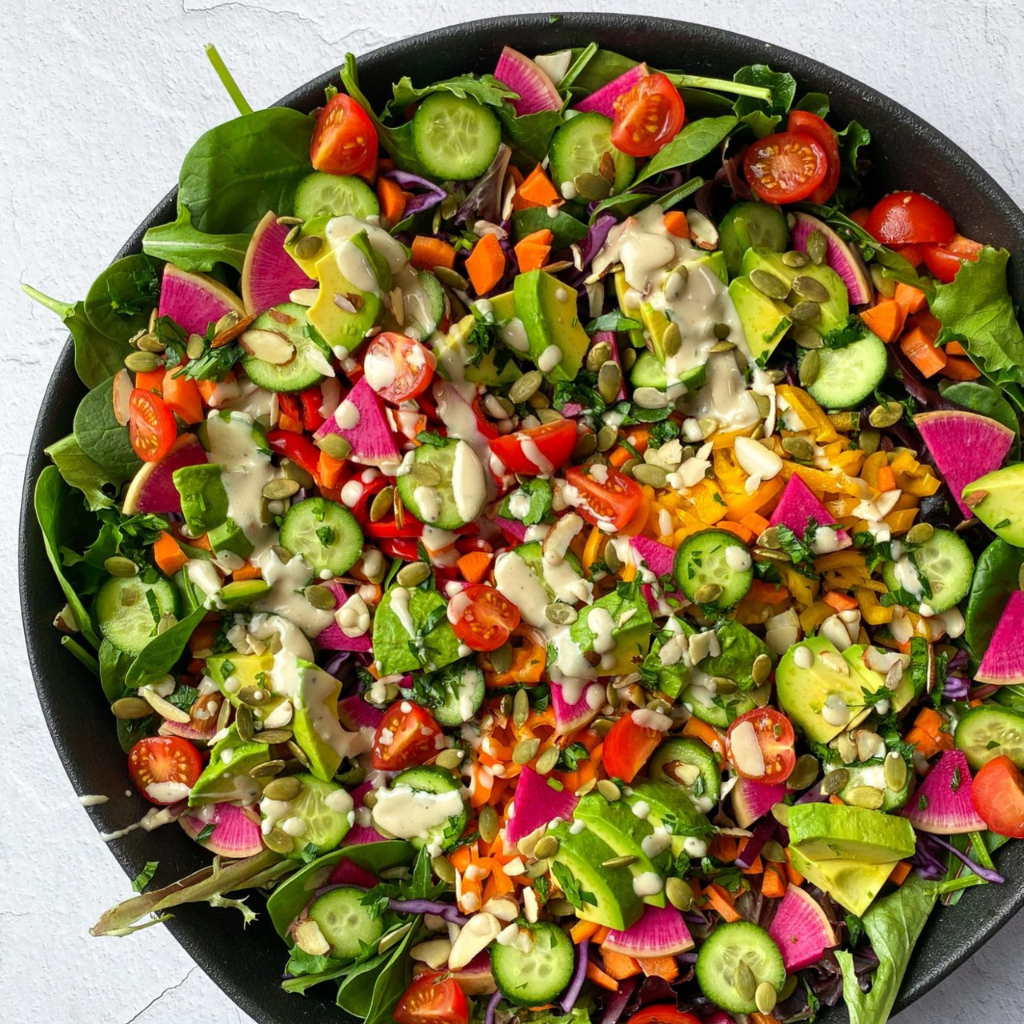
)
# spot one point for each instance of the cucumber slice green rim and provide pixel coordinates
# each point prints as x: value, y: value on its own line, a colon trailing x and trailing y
x: 538, y: 975
x: 580, y: 146
x: 323, y: 533
x: 345, y: 922
x: 128, y: 610
x: 848, y: 375
x: 334, y: 195
x: 945, y: 562
x: 411, y: 488
x: 304, y: 369
x: 714, y: 559
x: 719, y: 959
x: 455, y: 137
x: 988, y: 732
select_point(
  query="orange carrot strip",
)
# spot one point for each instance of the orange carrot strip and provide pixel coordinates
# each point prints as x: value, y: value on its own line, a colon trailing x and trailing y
x: 899, y: 873
x: 886, y: 319
x: 248, y: 572
x: 618, y: 965
x: 583, y: 930
x: 676, y: 224
x: 392, y: 200
x: 537, y: 190
x: 598, y: 977
x: 428, y: 252
x: 151, y: 380
x: 486, y: 264
x: 954, y: 348
x: 773, y: 886
x: 912, y: 299
x: 659, y: 967
x: 841, y: 602
x: 792, y: 874
x: 755, y: 523
x: 330, y: 470
x: 957, y: 368
x: 886, y: 479
x: 474, y: 565
x: 921, y: 351
x: 531, y: 256
x: 722, y: 902
x: 183, y: 396
x: 768, y: 593
x: 168, y: 555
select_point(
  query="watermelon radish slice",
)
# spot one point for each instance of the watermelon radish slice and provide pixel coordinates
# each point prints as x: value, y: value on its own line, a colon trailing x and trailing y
x: 333, y: 639
x: 355, y: 713
x: 152, y: 488
x: 943, y: 801
x: 476, y: 978
x: 513, y: 530
x: 365, y: 427
x: 534, y: 805
x: 194, y: 301
x: 358, y: 834
x: 1003, y: 663
x: 347, y: 873
x: 965, y: 446
x: 659, y: 558
x: 801, y: 930
x: 661, y: 931
x: 753, y: 800
x: 798, y: 506
x: 844, y: 259
x: 572, y: 716
x: 269, y: 274
x: 536, y: 91
x: 235, y: 834
x: 603, y: 101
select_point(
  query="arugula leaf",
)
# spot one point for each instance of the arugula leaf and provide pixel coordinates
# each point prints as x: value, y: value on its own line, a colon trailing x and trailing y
x: 984, y: 399
x: 182, y: 244
x: 214, y: 363
x: 570, y: 887
x: 976, y: 310
x: 815, y: 103
x: 851, y: 140
x: 485, y: 89
x: 84, y: 473
x: 696, y: 140
x: 145, y: 876
x: 797, y: 549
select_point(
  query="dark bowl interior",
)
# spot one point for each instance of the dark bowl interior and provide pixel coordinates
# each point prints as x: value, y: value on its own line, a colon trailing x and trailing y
x: 907, y: 153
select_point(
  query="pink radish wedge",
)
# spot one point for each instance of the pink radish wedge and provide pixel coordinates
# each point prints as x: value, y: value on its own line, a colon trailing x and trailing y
x: 801, y: 930
x: 942, y: 804
x: 235, y: 832
x: 194, y: 301
x: 536, y: 90
x: 603, y: 101
x: 269, y: 274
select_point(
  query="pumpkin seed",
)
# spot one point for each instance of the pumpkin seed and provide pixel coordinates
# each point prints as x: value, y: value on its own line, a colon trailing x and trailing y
x: 671, y: 339
x: 592, y: 187
x: 920, y: 534
x: 817, y: 247
x: 675, y: 283
x: 798, y: 447
x: 586, y: 445
x: 280, y: 488
x: 869, y: 440
x: 294, y: 471
x: 308, y: 246
x: 809, y: 288
x: 768, y: 284
x: 561, y: 614
x: 487, y: 823
x: 805, y: 336
x: 150, y: 343
x: 773, y: 852
x: 521, y: 708
x: 894, y: 771
x: 761, y: 669
x: 628, y: 358
x: 771, y: 555
x: 300, y: 755
x: 609, y: 381
x: 274, y: 736
x: 789, y: 987
x: 846, y: 747
x: 336, y: 446
x: 244, y: 723
x: 141, y: 362
x: 709, y: 593
x: 806, y: 311
x: 413, y: 574
x: 547, y: 760
x: 619, y: 862
x: 804, y: 772
x: 526, y: 387
x: 525, y: 750
x: 279, y: 841
x: 320, y: 597
x: 195, y: 347
x: 128, y: 708
x: 548, y: 415
x: 886, y: 415
x: 655, y: 476
x: 598, y: 355
x: 452, y: 278
x: 721, y: 332
x: 626, y: 469
x: 450, y: 758
x: 501, y: 659
x: 537, y: 869
x: 679, y: 893
x: 794, y: 259
x: 546, y: 848
x: 886, y: 285
x: 865, y: 796
x: 810, y: 367
x: 780, y: 812
x: 744, y: 981
x: 283, y: 789
x: 118, y: 565
x: 776, y: 376
x: 770, y: 538
x: 708, y: 425
x: 252, y: 696
x: 765, y: 997
x: 443, y: 869
x: 609, y: 790
x: 266, y: 770
x: 383, y: 502
x: 538, y: 401
x: 834, y: 781
x: 606, y: 437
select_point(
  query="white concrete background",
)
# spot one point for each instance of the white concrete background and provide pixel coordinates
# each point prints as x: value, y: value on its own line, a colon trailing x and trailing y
x: 99, y: 101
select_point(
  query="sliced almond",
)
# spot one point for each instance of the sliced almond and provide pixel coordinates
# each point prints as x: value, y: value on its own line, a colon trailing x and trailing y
x: 269, y: 346
x: 164, y: 708
x: 310, y: 939
x: 122, y: 393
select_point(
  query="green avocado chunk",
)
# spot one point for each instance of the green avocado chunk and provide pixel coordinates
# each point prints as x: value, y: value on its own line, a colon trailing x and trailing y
x: 673, y: 809
x: 833, y: 311
x: 346, y: 323
x: 547, y: 309
x: 765, y: 320
x: 852, y: 883
x: 995, y: 500
x: 226, y: 776
x: 204, y: 501
x: 839, y: 832
x: 624, y: 621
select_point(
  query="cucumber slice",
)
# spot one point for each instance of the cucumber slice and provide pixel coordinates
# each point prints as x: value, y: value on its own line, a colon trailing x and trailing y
x: 321, y: 812
x: 324, y: 533
x: 718, y: 558
x: 432, y: 503
x: 681, y: 752
x: 456, y: 693
x: 345, y: 922
x: 305, y: 368
x: 649, y: 372
x: 427, y: 313
x: 541, y: 973
x: 431, y: 779
x: 987, y: 732
x: 455, y: 137
x: 580, y: 146
x: 721, y: 954
x: 848, y: 375
x: 945, y: 562
x: 128, y: 610
x: 334, y: 195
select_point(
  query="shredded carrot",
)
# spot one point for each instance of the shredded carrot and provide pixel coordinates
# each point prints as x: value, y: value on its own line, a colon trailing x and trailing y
x: 151, y: 380
x: 957, y: 368
x: 474, y: 565
x: 183, y: 396
x: 899, y: 873
x: 921, y: 351
x: 746, y: 535
x: 886, y: 479
x: 773, y: 885
x: 598, y: 977
x: 330, y: 470
x: 885, y: 319
x: 168, y: 555
x: 462, y: 857
x: 531, y: 255
x: 486, y: 264
x: 537, y: 190
x: 840, y: 602
x: 762, y: 1018
x: 618, y: 965
x: 676, y: 224
x: 722, y: 902
x: 392, y: 200
x: 429, y: 252
x: 912, y: 299
x: 659, y: 967
x: 249, y: 571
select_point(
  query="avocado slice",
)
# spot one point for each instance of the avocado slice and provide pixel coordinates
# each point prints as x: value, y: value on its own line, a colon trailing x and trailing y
x: 226, y: 776
x: 617, y: 825
x: 547, y: 308
x: 667, y: 801
x: 852, y: 883
x: 841, y: 832
x: 995, y: 500
x: 204, y: 500
x: 347, y: 326
x: 629, y: 308
x: 243, y: 592
x: 230, y: 537
x: 748, y: 224
x: 615, y: 904
x: 765, y: 320
x: 631, y: 630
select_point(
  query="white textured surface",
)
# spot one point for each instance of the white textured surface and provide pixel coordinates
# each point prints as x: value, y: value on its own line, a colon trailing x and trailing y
x: 100, y: 100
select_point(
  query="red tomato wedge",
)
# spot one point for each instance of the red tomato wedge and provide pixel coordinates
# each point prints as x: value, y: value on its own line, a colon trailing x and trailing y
x: 627, y: 747
x: 785, y: 168
x: 398, y: 368
x: 406, y: 736
x: 945, y: 260
x: 482, y: 617
x: 902, y: 218
x: 609, y: 497
x: 540, y: 449
x: 344, y: 140
x: 998, y: 796
x: 151, y: 425
x: 432, y: 999
x: 760, y: 746
x: 803, y: 122
x: 662, y: 1014
x: 161, y: 765
x: 648, y: 116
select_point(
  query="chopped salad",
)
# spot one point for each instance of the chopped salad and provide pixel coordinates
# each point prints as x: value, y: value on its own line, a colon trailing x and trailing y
x: 561, y: 534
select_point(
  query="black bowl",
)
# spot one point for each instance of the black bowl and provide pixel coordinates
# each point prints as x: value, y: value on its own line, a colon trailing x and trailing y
x: 906, y: 153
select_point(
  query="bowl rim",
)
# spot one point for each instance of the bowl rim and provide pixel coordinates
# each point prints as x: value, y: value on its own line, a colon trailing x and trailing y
x: 928, y: 966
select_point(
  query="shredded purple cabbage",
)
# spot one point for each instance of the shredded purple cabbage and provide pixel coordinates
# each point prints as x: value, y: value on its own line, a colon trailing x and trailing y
x: 492, y: 1005
x: 426, y: 200
x: 597, y: 234
x: 987, y: 873
x: 446, y: 910
x: 572, y: 993
x: 956, y: 687
x: 617, y: 1003
x: 927, y: 861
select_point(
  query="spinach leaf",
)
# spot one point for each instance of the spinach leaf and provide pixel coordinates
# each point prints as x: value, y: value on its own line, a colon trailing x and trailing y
x: 159, y: 656
x: 815, y: 103
x: 531, y: 133
x: 102, y: 438
x: 629, y: 202
x: 893, y: 925
x: 984, y: 399
x: 356, y: 991
x: 566, y: 229
x: 51, y: 501
x: 83, y: 472
x: 392, y: 980
x: 976, y: 310
x: 696, y: 140
x: 760, y: 123
x: 180, y: 243
x: 120, y: 299
x: 113, y: 666
x: 239, y: 170
x: 995, y: 579
x: 851, y: 140
x: 780, y: 84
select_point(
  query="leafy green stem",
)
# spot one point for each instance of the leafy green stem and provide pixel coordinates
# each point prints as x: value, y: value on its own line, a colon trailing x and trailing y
x: 62, y: 309
x: 81, y: 654
x: 227, y: 80
x: 719, y: 85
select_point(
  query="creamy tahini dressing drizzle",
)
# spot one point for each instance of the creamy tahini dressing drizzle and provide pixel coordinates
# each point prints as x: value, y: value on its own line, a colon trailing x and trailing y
x: 410, y: 814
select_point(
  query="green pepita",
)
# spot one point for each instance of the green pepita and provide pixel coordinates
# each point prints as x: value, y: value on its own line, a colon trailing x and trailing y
x: 592, y: 187
x: 606, y: 437
x: 282, y: 487
x: 525, y: 750
x: 561, y: 614
x: 308, y: 247
x: 244, y: 723
x: 886, y: 415
x: 894, y: 771
x: 744, y: 981
x: 865, y: 796
x: 267, y: 770
x: 885, y: 285
x: 320, y: 597
x: 547, y: 761
x: 768, y: 284
x: 586, y: 445
x: 619, y: 862
x: 487, y: 823
x: 794, y: 259
x: 761, y: 668
x: 521, y: 709
x: 526, y: 387
x: 920, y: 534
x: 546, y: 848
x: 383, y: 502
x: 609, y: 381
x: 128, y: 708
x: 799, y: 447
x: 118, y: 565
x: 655, y: 476
x: 869, y: 440
x: 679, y: 893
x: 451, y: 278
x: 804, y: 772
x: 835, y: 781
x: 450, y: 758
x: 336, y: 446
x: 810, y: 288
x: 283, y: 789
x: 413, y: 574
x: 810, y: 367
x: 765, y: 997
x: 709, y: 593
x: 817, y: 247
x: 141, y: 362
x: 806, y: 311
x: 671, y: 339
x: 598, y: 355
x: 609, y: 790
x: 443, y: 869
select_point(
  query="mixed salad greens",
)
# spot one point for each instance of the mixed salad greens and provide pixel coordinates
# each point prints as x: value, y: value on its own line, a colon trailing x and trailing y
x: 562, y: 539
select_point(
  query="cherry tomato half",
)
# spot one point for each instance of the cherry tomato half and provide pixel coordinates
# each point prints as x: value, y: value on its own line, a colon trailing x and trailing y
x: 344, y: 140
x: 405, y: 737
x: 904, y: 217
x: 786, y: 167
x: 998, y: 796
x: 536, y: 450
x: 610, y: 497
x: 662, y: 1014
x: 803, y: 122
x: 772, y: 732
x: 945, y: 260
x: 432, y: 999
x: 627, y: 746
x: 648, y: 116
x: 397, y: 367
x: 164, y: 761
x: 151, y: 425
x: 482, y: 617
